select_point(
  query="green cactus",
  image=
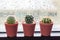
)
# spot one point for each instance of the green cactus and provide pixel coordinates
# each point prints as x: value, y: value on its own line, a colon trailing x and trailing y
x: 46, y: 20
x: 29, y: 19
x: 11, y: 20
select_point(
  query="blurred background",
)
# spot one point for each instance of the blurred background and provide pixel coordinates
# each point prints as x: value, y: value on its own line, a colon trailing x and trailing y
x: 38, y: 8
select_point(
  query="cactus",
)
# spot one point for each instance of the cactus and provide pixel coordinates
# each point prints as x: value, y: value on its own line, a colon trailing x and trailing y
x: 29, y: 19
x: 46, y: 20
x: 11, y: 20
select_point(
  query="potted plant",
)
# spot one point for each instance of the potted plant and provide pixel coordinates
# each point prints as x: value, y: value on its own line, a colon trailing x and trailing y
x: 11, y: 26
x: 29, y: 26
x: 46, y: 26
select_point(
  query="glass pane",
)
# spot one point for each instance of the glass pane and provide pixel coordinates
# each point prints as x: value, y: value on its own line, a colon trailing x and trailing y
x: 37, y: 8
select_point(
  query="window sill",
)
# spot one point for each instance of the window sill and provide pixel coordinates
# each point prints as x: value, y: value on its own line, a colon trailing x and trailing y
x: 36, y: 34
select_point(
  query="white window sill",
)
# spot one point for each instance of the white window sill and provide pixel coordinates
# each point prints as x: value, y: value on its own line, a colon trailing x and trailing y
x: 35, y: 34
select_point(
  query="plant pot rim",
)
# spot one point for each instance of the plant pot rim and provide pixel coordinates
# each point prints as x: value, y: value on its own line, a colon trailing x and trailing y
x: 45, y: 23
x: 26, y: 23
x: 12, y: 24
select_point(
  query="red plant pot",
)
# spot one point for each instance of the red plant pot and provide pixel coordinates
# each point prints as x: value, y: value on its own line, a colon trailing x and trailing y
x: 11, y: 29
x: 45, y: 28
x: 29, y: 29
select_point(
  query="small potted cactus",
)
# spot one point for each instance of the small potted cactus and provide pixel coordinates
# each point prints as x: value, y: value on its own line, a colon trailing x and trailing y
x: 11, y: 26
x: 29, y: 26
x: 46, y: 26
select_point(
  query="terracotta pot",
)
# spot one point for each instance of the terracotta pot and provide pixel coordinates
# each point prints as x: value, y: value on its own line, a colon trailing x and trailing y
x: 45, y: 28
x: 29, y: 29
x: 11, y: 29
